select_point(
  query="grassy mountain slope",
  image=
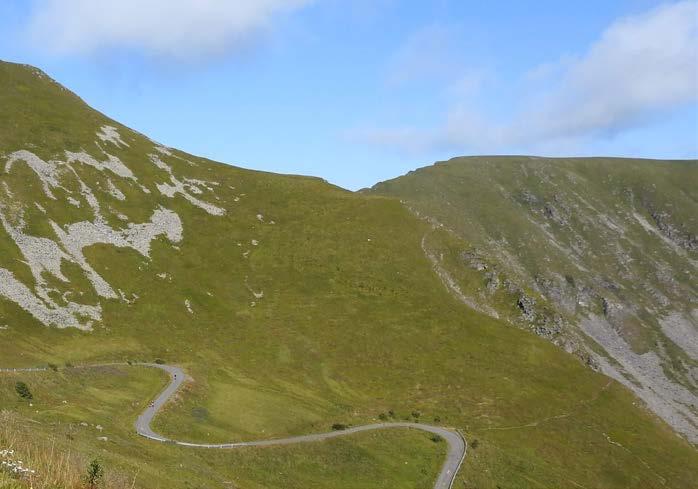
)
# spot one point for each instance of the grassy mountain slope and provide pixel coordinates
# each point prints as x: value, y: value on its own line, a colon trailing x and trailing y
x: 598, y: 255
x: 293, y: 304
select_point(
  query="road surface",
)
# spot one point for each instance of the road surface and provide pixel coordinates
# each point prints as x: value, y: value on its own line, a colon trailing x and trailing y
x: 456, y: 443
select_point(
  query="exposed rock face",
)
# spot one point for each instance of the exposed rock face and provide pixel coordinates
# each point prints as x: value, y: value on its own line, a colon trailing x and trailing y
x: 527, y: 306
x: 186, y: 188
x: 677, y: 235
x: 109, y: 134
x: 61, y: 180
x: 644, y: 375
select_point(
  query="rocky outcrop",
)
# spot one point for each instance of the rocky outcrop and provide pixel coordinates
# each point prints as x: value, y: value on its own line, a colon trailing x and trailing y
x: 45, y: 255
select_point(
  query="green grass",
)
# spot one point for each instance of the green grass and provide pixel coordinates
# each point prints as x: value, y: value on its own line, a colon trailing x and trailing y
x: 69, y: 406
x: 353, y: 323
x: 565, y: 228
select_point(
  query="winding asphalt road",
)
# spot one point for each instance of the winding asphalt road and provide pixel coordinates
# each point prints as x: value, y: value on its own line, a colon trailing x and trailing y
x: 456, y: 443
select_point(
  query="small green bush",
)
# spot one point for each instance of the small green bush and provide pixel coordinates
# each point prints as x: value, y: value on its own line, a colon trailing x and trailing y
x: 53, y: 366
x: 23, y: 391
x: 339, y: 427
x: 95, y: 474
x: 159, y: 361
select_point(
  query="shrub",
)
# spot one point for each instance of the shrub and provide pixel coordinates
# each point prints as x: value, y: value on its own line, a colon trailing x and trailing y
x: 23, y: 391
x: 416, y: 414
x: 383, y: 417
x: 474, y: 443
x: 159, y: 361
x: 95, y: 474
x: 436, y: 438
x: 339, y: 427
x: 68, y: 365
x: 53, y: 366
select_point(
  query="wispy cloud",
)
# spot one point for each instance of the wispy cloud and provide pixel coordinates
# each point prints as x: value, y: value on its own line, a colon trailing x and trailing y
x: 640, y: 65
x: 167, y: 28
x: 426, y: 54
x: 639, y: 68
x: 430, y: 54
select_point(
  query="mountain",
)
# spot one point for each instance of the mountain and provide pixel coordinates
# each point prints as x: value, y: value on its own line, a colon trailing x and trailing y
x: 598, y: 255
x: 294, y: 306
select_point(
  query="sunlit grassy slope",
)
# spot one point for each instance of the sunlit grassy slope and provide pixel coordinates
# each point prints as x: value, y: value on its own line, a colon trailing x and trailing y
x: 352, y: 323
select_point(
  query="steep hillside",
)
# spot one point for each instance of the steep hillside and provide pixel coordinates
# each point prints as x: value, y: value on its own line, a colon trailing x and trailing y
x: 598, y: 255
x: 293, y: 305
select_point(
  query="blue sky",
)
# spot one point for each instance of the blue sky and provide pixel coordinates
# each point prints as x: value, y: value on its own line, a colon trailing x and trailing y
x: 361, y: 91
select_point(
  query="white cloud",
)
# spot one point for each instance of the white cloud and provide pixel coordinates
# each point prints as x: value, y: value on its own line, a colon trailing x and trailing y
x: 639, y: 68
x: 170, y: 28
x: 640, y: 65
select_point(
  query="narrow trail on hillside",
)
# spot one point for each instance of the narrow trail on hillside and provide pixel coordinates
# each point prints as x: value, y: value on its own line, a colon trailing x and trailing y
x: 538, y: 422
x: 446, y: 279
x: 457, y: 445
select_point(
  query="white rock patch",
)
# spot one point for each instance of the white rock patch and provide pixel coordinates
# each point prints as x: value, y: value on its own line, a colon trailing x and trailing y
x: 40, y: 254
x: 112, y: 163
x: 45, y: 255
x: 683, y: 331
x: 109, y: 134
x: 47, y: 171
x: 668, y: 400
x: 257, y: 295
x: 78, y: 236
x: 160, y: 164
x: 45, y: 311
x: 164, y: 150
x: 183, y: 188
x: 194, y: 182
x: 127, y: 300
x: 114, y: 191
